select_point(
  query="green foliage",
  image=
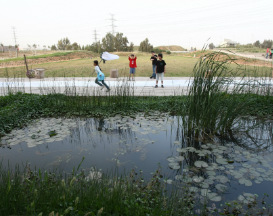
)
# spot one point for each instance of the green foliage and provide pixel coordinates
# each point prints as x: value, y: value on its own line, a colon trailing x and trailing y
x: 53, y: 47
x: 64, y: 44
x: 216, y: 100
x: 16, y: 110
x: 116, y: 42
x: 108, y: 42
x: 145, y: 46
x: 211, y: 46
x: 121, y: 43
x: 33, y: 192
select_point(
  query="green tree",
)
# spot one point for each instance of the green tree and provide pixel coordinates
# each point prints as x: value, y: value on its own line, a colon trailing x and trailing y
x: 211, y: 46
x: 131, y: 47
x: 75, y: 46
x: 119, y: 42
x: 108, y: 42
x: 257, y: 43
x: 94, y: 47
x: 64, y: 44
x: 53, y: 47
x: 267, y: 44
x: 145, y: 46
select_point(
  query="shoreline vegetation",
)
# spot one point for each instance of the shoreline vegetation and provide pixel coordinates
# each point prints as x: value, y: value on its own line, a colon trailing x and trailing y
x: 210, y: 109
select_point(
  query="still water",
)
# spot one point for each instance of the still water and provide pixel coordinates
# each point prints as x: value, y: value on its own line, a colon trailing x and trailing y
x: 220, y: 171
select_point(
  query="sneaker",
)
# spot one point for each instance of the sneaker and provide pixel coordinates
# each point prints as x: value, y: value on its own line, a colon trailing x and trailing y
x: 129, y: 79
x: 162, y: 86
x: 156, y: 86
x: 151, y: 77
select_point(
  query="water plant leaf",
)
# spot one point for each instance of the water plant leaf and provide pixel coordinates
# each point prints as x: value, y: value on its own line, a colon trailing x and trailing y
x: 245, y: 182
x: 174, y: 165
x: 200, y: 164
x: 221, y: 187
x: 222, y: 161
x: 214, y: 197
x: 179, y: 158
x: 197, y: 179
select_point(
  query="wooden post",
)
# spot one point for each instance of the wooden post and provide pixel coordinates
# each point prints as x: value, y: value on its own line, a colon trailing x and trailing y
x: 26, y: 62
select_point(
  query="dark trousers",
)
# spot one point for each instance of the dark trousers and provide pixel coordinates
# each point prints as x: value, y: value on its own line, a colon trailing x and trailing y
x: 102, y: 83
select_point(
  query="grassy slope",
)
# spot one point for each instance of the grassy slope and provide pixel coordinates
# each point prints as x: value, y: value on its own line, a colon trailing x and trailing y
x: 178, y: 65
x: 171, y: 48
x: 37, y: 56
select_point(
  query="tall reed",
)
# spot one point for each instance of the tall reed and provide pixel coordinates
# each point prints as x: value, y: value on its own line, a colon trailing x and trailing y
x: 217, y: 96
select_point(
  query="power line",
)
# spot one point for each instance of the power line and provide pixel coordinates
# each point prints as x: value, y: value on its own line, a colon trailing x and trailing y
x: 95, y: 36
x: 14, y: 36
x: 113, y: 23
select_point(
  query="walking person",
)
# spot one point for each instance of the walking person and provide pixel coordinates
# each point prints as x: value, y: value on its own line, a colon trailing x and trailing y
x: 160, y: 70
x: 100, y: 76
x: 132, y: 64
x: 154, y: 60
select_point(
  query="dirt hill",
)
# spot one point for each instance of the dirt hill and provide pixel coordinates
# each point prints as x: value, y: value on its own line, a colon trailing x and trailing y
x: 171, y: 48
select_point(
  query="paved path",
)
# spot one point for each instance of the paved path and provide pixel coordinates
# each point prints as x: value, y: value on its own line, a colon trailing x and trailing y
x: 257, y: 56
x: 142, y: 86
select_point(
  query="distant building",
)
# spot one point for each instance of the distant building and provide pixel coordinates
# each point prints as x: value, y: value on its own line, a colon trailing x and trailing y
x: 228, y: 43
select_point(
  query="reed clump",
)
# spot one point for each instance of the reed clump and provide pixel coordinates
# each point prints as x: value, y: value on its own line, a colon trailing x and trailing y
x: 219, y: 96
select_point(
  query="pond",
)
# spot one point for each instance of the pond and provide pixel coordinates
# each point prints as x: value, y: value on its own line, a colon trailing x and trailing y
x: 220, y: 171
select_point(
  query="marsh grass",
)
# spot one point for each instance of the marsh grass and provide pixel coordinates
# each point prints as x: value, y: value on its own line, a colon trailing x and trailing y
x: 37, y: 192
x: 219, y: 96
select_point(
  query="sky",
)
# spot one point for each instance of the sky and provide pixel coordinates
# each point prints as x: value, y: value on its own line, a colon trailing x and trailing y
x: 188, y: 23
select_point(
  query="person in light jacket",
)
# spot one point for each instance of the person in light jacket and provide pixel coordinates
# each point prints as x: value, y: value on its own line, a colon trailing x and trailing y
x: 100, y: 76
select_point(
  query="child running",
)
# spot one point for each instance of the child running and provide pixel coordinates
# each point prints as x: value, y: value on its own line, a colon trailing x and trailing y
x: 132, y: 58
x: 160, y: 70
x: 100, y: 76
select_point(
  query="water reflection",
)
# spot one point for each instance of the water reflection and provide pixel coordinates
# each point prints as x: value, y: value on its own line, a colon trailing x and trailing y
x: 213, y: 168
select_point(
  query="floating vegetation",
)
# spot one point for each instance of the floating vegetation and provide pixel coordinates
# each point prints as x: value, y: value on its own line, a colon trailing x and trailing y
x: 44, y: 130
x: 208, y: 169
x: 215, y: 171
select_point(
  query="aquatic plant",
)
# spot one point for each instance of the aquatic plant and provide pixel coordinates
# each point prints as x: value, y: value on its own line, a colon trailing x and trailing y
x: 218, y: 96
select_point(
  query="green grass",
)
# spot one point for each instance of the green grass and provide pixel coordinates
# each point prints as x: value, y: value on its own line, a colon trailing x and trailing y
x: 17, y: 110
x: 178, y: 65
x: 36, y: 192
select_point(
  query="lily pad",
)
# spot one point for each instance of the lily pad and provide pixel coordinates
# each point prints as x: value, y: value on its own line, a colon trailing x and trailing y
x: 221, y: 187
x: 197, y: 179
x: 200, y: 164
x: 245, y: 182
x: 221, y: 161
x: 214, y: 197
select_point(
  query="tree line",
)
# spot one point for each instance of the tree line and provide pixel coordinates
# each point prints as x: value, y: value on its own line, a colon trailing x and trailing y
x: 263, y: 45
x: 110, y: 43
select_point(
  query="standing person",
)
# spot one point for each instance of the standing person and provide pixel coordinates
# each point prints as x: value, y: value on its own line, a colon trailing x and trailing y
x: 160, y: 70
x: 267, y: 53
x: 100, y: 76
x: 154, y: 60
x: 132, y: 64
